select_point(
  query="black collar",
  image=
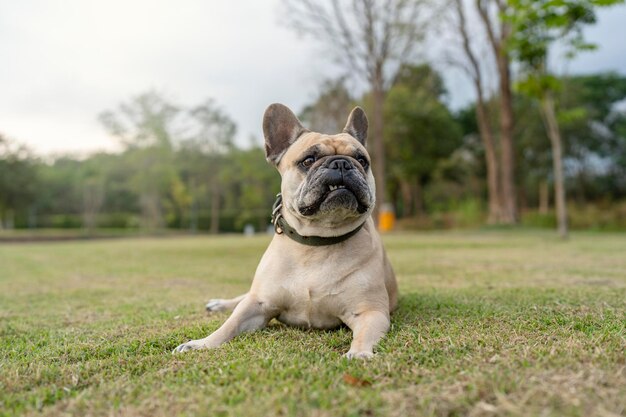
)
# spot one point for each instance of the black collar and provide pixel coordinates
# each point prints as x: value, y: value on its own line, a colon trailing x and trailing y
x: 281, y: 226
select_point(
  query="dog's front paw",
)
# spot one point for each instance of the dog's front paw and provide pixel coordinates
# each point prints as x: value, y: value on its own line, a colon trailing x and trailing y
x: 186, y: 347
x: 359, y: 355
x: 216, y: 304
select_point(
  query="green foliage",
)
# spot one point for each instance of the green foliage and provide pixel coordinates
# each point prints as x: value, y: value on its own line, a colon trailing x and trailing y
x: 537, y: 220
x: 536, y: 25
x: 600, y: 216
x: 590, y: 124
x: 536, y: 84
x: 171, y: 172
x: 175, y: 164
x: 420, y: 131
x: 250, y: 184
x: 591, y: 121
x: 158, y: 136
x: 18, y: 179
x: 146, y: 126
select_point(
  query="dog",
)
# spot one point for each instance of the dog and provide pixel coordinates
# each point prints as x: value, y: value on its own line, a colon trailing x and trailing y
x: 326, y: 265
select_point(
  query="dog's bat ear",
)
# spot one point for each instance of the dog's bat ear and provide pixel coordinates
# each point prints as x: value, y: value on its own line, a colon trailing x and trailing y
x: 281, y: 128
x: 357, y: 125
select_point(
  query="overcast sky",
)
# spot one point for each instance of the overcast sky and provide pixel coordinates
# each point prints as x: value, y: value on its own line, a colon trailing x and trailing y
x: 63, y: 62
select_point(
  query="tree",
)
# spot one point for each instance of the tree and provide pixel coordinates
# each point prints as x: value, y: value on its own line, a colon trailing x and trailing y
x: 589, y: 118
x: 419, y: 134
x: 602, y: 133
x: 93, y: 191
x: 369, y: 39
x: 498, y: 29
x: 18, y: 180
x: 148, y: 119
x: 209, y: 137
x: 474, y: 70
x: 536, y: 25
x: 146, y: 126
x: 59, y: 197
x: 250, y: 185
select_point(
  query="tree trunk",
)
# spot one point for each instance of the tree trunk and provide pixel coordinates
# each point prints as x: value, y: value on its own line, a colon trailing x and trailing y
x: 32, y: 217
x: 193, y: 216
x: 152, y: 216
x: 93, y: 198
x: 552, y: 127
x: 215, y: 207
x: 507, y: 155
x: 486, y: 135
x: 418, y: 197
x: 407, y: 201
x: 522, y: 199
x: 498, y: 39
x: 544, y: 198
x: 377, y: 144
x: 193, y: 209
x: 10, y: 219
x: 580, y: 189
x: 491, y: 160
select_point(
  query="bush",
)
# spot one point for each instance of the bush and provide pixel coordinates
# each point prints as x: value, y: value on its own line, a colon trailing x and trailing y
x: 62, y: 221
x: 466, y: 213
x: 600, y: 217
x: 535, y: 219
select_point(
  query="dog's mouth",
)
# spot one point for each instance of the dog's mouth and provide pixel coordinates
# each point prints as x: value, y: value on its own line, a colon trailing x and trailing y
x: 338, y: 191
x: 339, y: 188
x: 335, y: 195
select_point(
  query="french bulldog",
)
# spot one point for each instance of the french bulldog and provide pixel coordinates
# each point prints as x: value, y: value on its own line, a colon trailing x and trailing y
x: 326, y: 264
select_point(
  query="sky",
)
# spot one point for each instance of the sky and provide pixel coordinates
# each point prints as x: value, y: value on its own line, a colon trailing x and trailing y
x: 64, y: 62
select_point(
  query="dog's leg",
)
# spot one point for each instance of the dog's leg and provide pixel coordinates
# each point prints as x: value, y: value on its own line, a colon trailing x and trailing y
x: 220, y: 304
x: 248, y: 316
x: 367, y: 329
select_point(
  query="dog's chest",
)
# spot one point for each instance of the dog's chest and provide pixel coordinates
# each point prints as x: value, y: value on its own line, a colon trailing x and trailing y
x: 311, y: 306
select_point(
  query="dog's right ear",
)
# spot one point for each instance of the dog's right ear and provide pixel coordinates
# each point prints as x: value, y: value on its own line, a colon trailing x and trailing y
x: 281, y: 128
x: 357, y: 125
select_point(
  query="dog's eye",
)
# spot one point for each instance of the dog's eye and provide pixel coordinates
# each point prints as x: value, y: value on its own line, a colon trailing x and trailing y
x: 362, y: 161
x: 307, y: 162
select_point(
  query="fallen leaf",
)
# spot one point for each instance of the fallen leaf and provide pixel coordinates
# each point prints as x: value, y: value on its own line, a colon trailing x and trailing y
x: 355, y: 382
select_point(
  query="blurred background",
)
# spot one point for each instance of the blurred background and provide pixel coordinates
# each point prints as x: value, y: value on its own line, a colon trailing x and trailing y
x: 145, y: 116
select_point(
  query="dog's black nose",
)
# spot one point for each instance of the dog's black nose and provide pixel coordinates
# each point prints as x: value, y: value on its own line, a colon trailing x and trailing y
x: 339, y: 163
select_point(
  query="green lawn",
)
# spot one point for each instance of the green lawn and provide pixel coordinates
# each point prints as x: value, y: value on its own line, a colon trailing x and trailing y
x: 490, y: 323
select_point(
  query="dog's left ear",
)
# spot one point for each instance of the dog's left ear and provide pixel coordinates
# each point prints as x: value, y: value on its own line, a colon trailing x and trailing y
x: 281, y: 128
x: 357, y: 125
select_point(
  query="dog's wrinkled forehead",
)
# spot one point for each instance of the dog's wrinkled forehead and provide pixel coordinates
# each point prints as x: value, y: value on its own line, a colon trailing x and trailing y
x: 322, y: 145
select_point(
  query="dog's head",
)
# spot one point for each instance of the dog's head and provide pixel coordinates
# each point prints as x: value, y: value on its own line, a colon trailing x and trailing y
x: 327, y: 184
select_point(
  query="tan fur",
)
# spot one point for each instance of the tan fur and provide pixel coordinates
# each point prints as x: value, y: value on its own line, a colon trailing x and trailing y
x: 351, y: 282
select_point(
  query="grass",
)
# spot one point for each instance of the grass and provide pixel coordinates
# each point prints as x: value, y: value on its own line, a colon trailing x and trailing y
x: 56, y: 235
x: 490, y: 323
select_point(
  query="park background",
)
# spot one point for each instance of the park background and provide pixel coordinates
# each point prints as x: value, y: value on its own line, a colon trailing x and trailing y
x: 149, y: 118
x: 497, y: 129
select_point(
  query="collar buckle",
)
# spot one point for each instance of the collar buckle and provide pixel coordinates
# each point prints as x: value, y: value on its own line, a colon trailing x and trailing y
x: 276, y: 214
